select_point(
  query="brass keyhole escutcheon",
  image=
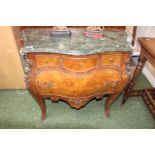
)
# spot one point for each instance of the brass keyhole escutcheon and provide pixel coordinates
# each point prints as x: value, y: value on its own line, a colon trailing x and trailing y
x: 81, y: 64
x: 111, y: 59
x: 46, y: 61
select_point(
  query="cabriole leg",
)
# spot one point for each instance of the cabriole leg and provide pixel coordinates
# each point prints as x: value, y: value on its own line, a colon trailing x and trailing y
x: 42, y: 106
x: 108, y: 103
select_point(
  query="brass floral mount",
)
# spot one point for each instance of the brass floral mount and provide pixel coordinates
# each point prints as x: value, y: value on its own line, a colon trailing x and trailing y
x: 95, y: 28
x: 60, y: 28
x: 61, y: 31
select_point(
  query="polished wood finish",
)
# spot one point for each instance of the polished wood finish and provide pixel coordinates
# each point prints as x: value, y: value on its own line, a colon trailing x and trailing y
x: 147, y: 53
x: 77, y: 79
x: 134, y: 35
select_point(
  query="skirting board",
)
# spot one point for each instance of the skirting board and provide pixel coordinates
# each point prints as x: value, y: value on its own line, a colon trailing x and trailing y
x: 149, y: 76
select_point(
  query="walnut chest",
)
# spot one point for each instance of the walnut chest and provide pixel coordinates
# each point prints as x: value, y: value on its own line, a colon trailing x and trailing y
x: 75, y: 69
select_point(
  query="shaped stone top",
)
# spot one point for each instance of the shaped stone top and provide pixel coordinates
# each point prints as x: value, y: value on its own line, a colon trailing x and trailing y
x: 40, y: 40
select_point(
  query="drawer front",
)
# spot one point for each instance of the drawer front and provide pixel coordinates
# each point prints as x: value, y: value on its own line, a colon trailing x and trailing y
x: 46, y: 60
x: 111, y: 59
x: 79, y: 64
x: 57, y: 82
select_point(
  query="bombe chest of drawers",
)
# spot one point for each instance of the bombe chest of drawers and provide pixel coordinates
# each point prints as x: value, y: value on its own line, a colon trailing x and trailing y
x: 75, y: 69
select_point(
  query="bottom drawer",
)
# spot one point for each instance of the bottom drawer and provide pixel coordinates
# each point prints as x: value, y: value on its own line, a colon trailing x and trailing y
x: 57, y: 82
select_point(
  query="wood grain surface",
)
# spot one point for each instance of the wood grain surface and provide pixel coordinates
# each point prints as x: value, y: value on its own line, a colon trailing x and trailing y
x: 77, y: 79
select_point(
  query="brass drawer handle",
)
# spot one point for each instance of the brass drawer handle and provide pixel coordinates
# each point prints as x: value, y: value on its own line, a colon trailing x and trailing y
x: 45, y: 85
x: 112, y: 84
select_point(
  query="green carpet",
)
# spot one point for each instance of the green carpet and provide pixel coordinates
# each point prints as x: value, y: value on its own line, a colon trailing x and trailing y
x: 18, y: 109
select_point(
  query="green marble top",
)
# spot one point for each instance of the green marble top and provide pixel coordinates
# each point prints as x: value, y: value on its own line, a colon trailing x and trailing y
x: 40, y: 40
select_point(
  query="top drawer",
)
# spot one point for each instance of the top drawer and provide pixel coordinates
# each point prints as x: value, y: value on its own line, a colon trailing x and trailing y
x: 79, y: 64
x: 111, y: 59
x: 46, y: 60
